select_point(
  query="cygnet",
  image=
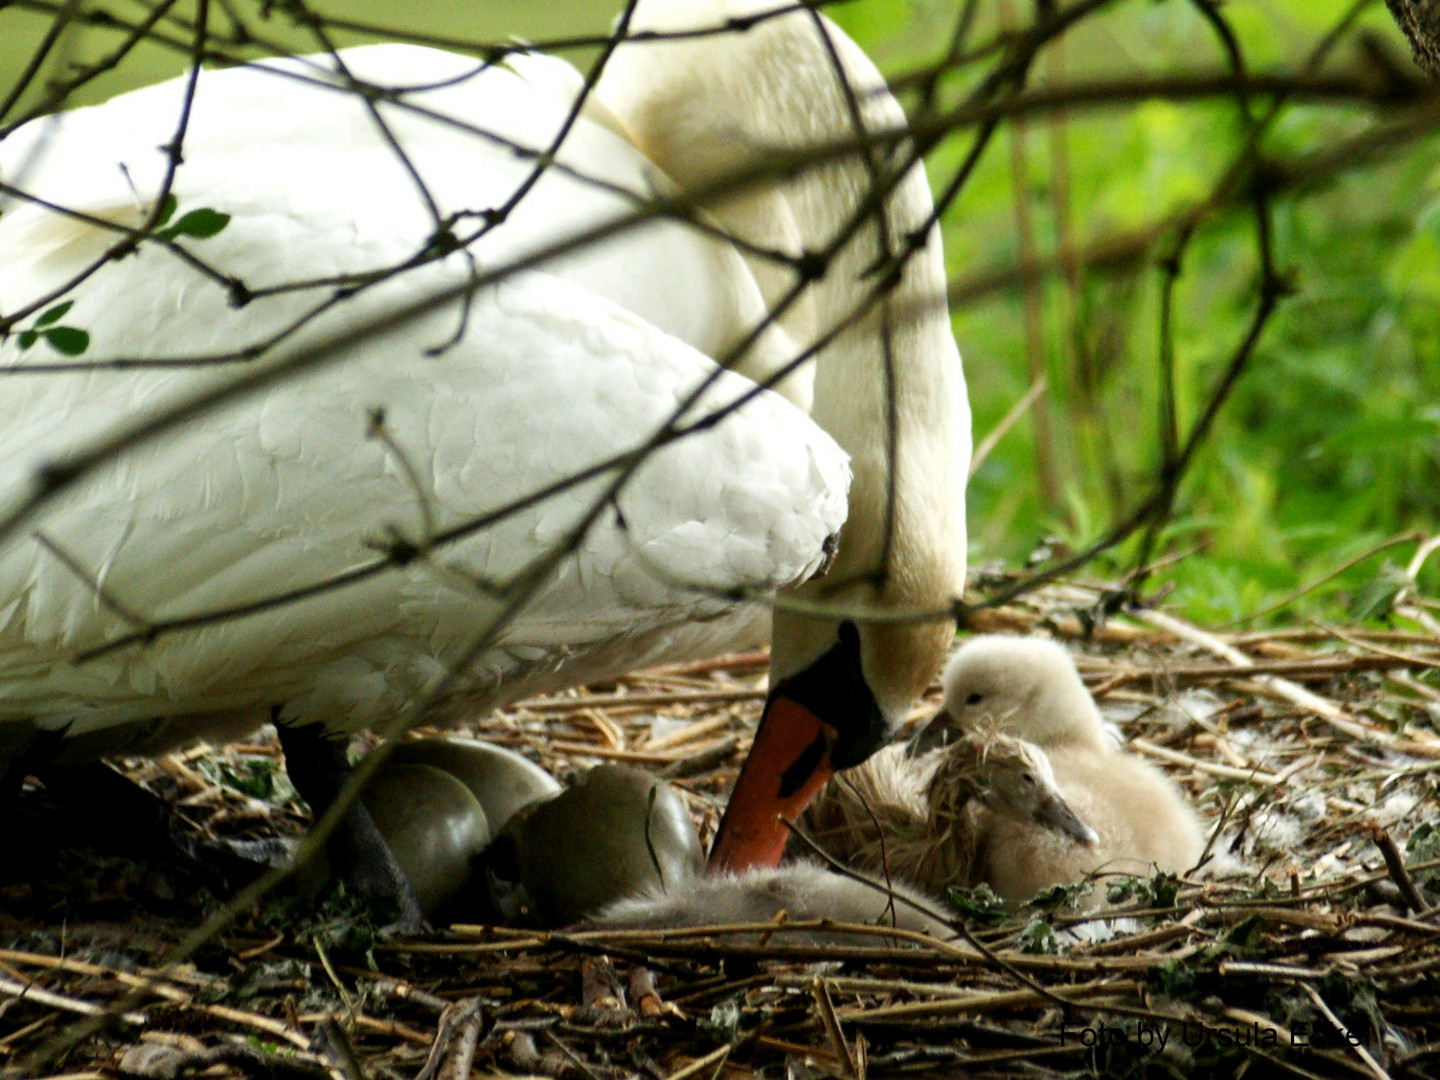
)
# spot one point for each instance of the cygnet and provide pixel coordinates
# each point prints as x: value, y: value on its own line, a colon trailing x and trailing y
x: 1030, y: 688
x: 1026, y: 687
x: 803, y: 891
x: 914, y: 817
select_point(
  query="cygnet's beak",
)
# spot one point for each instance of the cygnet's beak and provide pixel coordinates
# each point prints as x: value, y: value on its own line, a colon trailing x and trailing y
x: 821, y: 719
x: 939, y: 731
x: 1055, y: 813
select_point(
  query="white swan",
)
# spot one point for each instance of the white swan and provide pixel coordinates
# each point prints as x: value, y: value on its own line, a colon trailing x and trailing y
x: 546, y: 373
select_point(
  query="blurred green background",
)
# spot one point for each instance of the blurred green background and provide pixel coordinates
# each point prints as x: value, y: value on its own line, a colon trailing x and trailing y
x: 1330, y: 444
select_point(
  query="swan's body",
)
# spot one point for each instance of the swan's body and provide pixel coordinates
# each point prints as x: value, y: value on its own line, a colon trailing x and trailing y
x: 285, y: 489
x: 544, y: 374
x: 919, y: 818
x: 1030, y: 689
x: 802, y: 891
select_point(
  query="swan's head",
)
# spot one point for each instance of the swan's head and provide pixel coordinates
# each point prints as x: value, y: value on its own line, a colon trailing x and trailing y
x: 1015, y: 778
x: 1026, y: 687
x: 830, y: 714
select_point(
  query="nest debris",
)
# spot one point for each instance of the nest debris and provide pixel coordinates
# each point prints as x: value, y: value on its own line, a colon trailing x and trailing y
x: 1308, y: 945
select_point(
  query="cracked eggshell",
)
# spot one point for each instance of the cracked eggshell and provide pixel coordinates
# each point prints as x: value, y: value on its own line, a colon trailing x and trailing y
x: 432, y: 824
x: 500, y: 779
x: 616, y: 832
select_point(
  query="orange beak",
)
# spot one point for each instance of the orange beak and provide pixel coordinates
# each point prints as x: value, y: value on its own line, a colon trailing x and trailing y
x: 789, y: 763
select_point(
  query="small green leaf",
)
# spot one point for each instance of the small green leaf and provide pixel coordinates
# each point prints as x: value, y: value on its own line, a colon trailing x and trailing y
x: 1057, y: 897
x: 167, y: 210
x: 28, y: 338
x: 1424, y: 846
x: 1375, y: 598
x: 979, y: 904
x: 67, y: 339
x: 200, y: 224
x: 1164, y: 888
x: 1121, y: 888
x: 55, y: 314
x: 1039, y: 938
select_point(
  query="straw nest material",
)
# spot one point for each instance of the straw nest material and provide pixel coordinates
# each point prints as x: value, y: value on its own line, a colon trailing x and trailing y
x: 1311, y: 946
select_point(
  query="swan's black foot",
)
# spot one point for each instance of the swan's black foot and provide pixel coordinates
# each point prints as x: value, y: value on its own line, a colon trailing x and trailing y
x: 358, y: 854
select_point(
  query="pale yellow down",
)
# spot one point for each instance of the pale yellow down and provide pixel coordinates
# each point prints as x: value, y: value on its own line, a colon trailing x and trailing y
x: 1030, y: 689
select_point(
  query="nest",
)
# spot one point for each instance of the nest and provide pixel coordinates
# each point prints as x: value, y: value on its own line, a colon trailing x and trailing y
x: 1308, y: 945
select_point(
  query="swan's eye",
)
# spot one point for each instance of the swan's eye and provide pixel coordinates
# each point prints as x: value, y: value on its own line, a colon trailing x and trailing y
x: 974, y: 699
x: 1028, y: 778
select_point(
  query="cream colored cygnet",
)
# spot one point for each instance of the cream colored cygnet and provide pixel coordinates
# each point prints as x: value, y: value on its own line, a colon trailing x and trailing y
x: 1030, y: 689
x: 802, y: 891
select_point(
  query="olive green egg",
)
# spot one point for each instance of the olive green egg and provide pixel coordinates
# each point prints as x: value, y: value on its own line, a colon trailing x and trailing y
x: 432, y: 824
x: 501, y: 780
x: 617, y: 832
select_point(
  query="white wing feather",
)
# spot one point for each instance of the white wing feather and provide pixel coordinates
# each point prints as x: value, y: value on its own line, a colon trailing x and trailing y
x: 549, y: 373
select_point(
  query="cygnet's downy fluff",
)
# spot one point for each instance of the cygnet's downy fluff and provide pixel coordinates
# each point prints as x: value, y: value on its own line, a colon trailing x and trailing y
x: 1030, y: 689
x: 803, y: 891
x: 915, y: 818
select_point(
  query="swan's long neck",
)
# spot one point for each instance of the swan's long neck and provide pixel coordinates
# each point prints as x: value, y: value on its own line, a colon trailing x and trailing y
x: 706, y: 107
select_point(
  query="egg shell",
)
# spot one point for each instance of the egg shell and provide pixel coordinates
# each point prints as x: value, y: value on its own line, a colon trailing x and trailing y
x: 616, y: 832
x: 501, y: 780
x: 432, y: 824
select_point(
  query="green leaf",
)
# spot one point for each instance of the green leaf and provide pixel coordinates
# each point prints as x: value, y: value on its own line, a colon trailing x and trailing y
x: 1376, y: 597
x: 28, y: 338
x: 1122, y: 888
x: 1247, y: 936
x: 1424, y: 846
x: 67, y: 339
x: 1424, y: 843
x: 1164, y: 888
x: 200, y: 224
x: 167, y: 210
x: 1060, y: 896
x: 55, y: 314
x: 1038, y: 937
x: 979, y: 904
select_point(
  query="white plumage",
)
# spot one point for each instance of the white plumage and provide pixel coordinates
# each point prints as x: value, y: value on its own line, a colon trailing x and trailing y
x: 550, y: 372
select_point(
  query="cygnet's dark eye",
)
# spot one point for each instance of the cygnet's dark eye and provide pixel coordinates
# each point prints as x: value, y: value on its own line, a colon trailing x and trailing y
x: 1028, y: 778
x: 974, y: 699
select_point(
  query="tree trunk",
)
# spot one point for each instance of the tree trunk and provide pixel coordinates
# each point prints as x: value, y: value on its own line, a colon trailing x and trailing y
x: 1420, y: 19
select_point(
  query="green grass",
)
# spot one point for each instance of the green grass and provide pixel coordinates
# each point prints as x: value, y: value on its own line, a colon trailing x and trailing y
x: 489, y: 20
x: 1331, y: 442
